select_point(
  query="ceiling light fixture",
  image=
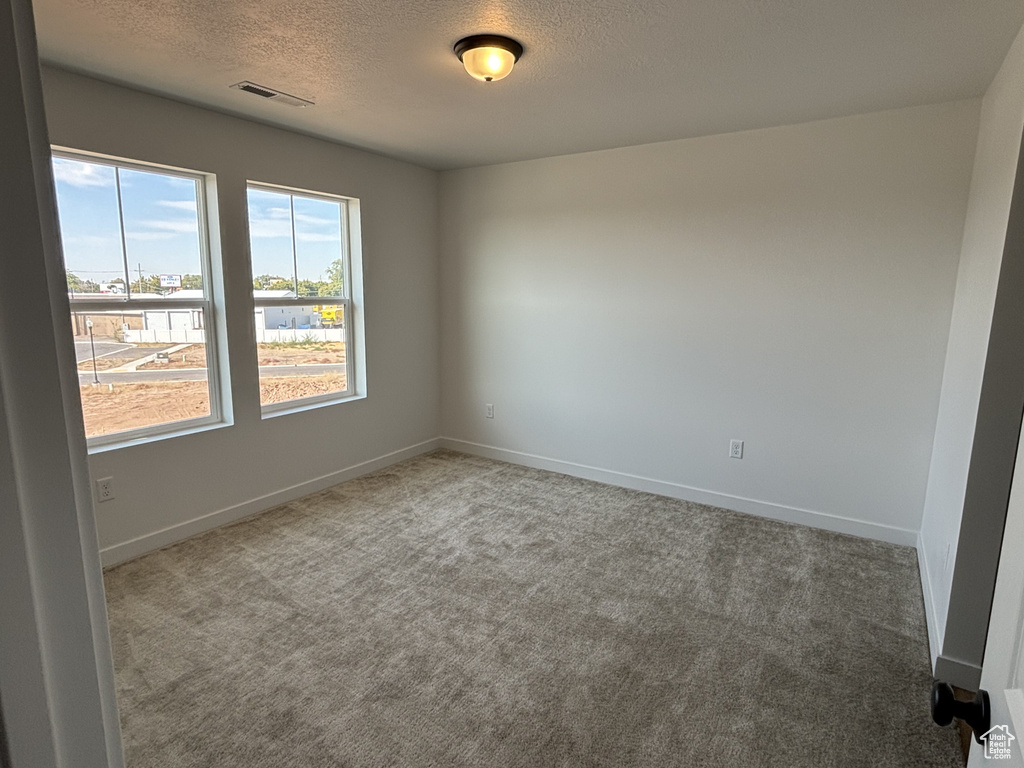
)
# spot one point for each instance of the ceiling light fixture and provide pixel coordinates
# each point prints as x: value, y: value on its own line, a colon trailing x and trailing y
x: 488, y: 57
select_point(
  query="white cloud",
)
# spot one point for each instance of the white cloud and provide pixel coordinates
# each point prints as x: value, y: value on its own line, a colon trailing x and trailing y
x: 270, y: 228
x: 307, y: 219
x: 181, y: 226
x: 149, y: 235
x: 181, y: 205
x: 275, y: 221
x: 97, y: 240
x: 79, y: 174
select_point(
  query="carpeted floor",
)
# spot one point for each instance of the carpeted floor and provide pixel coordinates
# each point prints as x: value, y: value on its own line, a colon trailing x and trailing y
x: 455, y: 611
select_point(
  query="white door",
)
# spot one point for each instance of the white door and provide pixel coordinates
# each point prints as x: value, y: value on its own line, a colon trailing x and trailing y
x: 180, y: 321
x: 1003, y: 670
x: 156, y: 321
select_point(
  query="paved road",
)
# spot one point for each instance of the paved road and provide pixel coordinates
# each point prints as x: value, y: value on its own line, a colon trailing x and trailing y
x: 198, y: 374
x: 103, y: 348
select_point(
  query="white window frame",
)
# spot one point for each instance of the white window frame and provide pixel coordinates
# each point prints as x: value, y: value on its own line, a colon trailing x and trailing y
x: 125, y: 301
x: 348, y: 245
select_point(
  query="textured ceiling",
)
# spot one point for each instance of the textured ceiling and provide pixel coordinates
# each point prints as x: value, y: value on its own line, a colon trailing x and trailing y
x: 595, y: 74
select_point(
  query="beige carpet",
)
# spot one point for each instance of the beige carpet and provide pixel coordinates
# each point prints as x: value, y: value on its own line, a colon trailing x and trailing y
x: 455, y: 611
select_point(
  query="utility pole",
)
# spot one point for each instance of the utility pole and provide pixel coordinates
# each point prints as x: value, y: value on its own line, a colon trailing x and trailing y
x: 140, y: 277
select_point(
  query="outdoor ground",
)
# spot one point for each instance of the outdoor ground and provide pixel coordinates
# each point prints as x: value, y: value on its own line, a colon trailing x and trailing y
x: 111, y: 355
x: 129, y: 397
x: 130, y: 406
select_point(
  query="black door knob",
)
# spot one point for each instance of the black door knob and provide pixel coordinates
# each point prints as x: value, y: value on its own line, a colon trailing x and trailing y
x: 976, y: 713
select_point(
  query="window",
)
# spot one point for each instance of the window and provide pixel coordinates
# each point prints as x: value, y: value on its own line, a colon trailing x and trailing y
x: 136, y: 256
x: 300, y: 247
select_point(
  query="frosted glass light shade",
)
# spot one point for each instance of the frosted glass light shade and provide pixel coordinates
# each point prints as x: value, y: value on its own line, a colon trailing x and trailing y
x: 488, y: 63
x: 488, y: 57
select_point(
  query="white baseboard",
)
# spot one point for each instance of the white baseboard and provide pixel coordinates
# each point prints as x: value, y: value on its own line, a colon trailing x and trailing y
x: 126, y: 550
x: 930, y: 613
x: 962, y: 674
x: 862, y: 528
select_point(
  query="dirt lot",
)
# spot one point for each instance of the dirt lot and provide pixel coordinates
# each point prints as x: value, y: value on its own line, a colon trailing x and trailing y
x: 102, y: 363
x: 121, y: 357
x: 268, y: 354
x: 190, y: 357
x: 130, y: 406
x: 276, y: 390
x: 315, y: 354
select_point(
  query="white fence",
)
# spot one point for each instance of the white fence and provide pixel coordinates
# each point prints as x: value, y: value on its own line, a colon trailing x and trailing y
x: 164, y: 336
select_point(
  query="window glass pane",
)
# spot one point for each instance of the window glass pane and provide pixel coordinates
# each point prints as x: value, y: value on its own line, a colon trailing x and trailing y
x: 301, y: 351
x: 318, y: 253
x: 162, y: 237
x: 89, y: 226
x: 140, y: 368
x: 270, y: 239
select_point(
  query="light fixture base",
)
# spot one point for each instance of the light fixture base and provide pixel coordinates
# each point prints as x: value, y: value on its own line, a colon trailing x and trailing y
x: 488, y: 41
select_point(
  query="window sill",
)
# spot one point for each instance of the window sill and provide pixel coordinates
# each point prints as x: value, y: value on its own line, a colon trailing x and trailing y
x: 287, y: 408
x: 172, y: 432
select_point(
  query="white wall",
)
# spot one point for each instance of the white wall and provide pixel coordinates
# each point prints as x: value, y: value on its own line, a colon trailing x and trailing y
x: 162, y: 485
x: 630, y: 311
x: 999, y: 138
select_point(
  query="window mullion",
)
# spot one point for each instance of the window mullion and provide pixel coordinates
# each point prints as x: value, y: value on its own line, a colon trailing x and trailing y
x: 343, y: 231
x: 124, y: 241
x: 295, y: 256
x: 349, y: 369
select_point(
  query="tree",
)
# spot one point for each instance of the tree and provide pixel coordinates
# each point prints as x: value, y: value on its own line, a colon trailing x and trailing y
x: 192, y: 282
x: 77, y: 285
x: 335, y: 284
x: 271, y: 283
x: 148, y: 284
x: 311, y: 288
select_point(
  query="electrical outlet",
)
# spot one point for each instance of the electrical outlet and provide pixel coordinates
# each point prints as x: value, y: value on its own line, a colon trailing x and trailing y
x: 735, y: 449
x: 105, y: 489
x: 490, y: 410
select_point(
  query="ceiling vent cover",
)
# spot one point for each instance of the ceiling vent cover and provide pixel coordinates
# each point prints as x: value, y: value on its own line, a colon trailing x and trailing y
x: 271, y: 95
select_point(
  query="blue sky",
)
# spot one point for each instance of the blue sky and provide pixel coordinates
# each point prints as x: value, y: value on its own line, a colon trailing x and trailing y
x: 317, y: 234
x: 160, y: 221
x: 162, y: 230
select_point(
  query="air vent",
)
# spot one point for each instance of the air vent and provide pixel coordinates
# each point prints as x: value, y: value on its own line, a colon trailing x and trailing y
x: 269, y: 93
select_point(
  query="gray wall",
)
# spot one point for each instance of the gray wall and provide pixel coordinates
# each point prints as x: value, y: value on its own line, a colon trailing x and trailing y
x: 628, y: 312
x: 996, y: 438
x: 56, y: 675
x: 224, y: 473
x: 999, y: 140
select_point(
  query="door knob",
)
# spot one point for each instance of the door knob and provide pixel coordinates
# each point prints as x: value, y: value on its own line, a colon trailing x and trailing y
x: 976, y: 713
